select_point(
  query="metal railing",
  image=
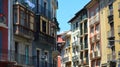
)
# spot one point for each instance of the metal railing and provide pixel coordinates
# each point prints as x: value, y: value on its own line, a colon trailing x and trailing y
x: 75, y: 43
x: 11, y: 56
x: 75, y: 57
x: 110, y: 12
x: 66, y: 59
x: 111, y: 57
x: 94, y: 19
x: 46, y: 38
x: 23, y: 31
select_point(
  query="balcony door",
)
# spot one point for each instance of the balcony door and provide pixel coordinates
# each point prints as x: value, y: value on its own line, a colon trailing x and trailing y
x: 38, y: 58
x: 27, y: 54
x: 16, y: 51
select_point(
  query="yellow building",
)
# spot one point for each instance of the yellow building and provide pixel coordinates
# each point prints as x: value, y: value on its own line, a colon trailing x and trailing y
x: 110, y: 32
x: 67, y: 59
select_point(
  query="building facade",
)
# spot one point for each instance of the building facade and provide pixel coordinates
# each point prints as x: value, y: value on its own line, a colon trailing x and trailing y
x: 74, y: 22
x: 28, y: 33
x: 109, y: 17
x: 3, y: 32
x: 23, y: 33
x: 80, y: 38
x: 45, y: 33
x: 84, y: 41
x: 94, y: 33
x: 66, y: 52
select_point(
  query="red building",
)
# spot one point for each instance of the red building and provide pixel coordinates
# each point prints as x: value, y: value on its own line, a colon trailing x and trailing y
x: 4, y: 55
x: 60, y: 45
x: 3, y: 29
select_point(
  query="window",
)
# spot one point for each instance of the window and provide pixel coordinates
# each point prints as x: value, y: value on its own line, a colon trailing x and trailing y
x: 38, y: 58
x: 1, y: 6
x: 31, y: 23
x: 93, y: 48
x: 46, y: 59
x: 92, y: 30
x: 85, y: 27
x: 81, y: 30
x: 44, y: 26
x: 91, y: 15
x: 45, y: 6
x: 98, y: 63
x: 27, y: 54
x: 97, y: 28
x: 22, y: 18
x: 98, y: 46
x: 110, y: 6
x: 52, y: 31
x: 74, y: 50
x: 67, y: 42
x: 15, y: 16
x: 73, y: 27
x: 16, y: 51
x: 76, y: 25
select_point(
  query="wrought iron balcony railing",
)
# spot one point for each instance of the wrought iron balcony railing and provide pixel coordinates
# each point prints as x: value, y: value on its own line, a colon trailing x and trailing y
x: 110, y: 16
x: 75, y: 57
x: 66, y: 59
x: 46, y: 38
x: 75, y: 43
x: 23, y: 31
x: 11, y: 56
x: 111, y: 57
x: 94, y: 19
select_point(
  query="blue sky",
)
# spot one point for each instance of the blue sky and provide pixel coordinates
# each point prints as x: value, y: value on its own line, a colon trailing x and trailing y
x: 66, y: 10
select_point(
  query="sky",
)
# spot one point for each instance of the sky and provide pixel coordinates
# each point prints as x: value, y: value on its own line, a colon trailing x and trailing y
x: 66, y: 11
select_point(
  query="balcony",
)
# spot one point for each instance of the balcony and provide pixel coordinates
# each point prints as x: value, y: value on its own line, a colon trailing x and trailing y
x: 23, y: 22
x: 66, y: 59
x: 17, y: 59
x: 22, y: 59
x: 92, y: 55
x: 94, y: 19
x: 75, y: 58
x: 23, y: 31
x: 46, y: 38
x: 110, y: 16
x: 98, y: 37
x: 110, y: 35
x: 75, y: 43
x: 92, y: 39
x: 97, y: 54
x: 111, y: 57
